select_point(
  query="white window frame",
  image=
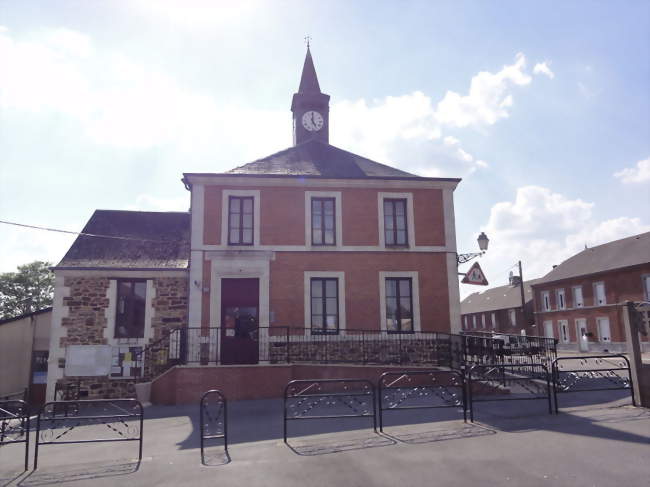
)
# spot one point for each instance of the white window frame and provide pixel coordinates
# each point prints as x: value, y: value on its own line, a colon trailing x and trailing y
x: 546, y: 301
x: 596, y: 302
x: 581, y: 303
x: 111, y: 316
x: 512, y: 317
x: 645, y: 284
x: 415, y: 291
x: 410, y: 220
x: 547, y: 322
x: 560, y: 296
x: 559, y: 331
x: 338, y: 218
x: 609, y: 325
x: 225, y: 195
x: 308, y: 276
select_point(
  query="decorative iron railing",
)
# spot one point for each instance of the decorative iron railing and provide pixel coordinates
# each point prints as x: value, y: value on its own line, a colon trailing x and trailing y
x: 284, y: 345
x: 525, y: 351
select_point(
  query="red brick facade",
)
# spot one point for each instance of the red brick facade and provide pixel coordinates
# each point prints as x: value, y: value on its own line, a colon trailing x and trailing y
x: 357, y: 254
x: 620, y: 285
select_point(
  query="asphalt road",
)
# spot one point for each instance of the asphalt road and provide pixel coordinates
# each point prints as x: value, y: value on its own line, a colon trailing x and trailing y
x: 514, y: 443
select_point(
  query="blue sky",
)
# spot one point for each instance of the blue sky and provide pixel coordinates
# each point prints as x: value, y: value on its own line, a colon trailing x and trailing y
x: 542, y: 108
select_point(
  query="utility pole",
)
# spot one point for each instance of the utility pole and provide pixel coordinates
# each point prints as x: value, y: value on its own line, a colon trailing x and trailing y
x: 523, y: 299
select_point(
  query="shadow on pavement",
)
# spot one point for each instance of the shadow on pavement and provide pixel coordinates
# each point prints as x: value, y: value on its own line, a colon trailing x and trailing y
x: 587, y: 422
x: 215, y: 458
x: 69, y: 473
x: 6, y: 478
x: 432, y: 436
x: 325, y: 446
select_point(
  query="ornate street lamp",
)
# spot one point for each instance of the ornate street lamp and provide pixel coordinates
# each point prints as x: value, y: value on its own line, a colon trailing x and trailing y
x: 483, y: 242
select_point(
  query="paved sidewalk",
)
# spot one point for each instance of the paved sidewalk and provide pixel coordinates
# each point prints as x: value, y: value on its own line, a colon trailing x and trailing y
x: 516, y: 443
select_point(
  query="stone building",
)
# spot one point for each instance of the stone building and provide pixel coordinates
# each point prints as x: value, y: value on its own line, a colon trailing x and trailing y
x: 314, y: 239
x: 578, y: 302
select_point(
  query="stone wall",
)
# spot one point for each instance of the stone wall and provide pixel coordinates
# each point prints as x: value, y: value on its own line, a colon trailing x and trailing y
x: 87, y: 305
x: 100, y: 387
x: 378, y: 351
x: 86, y: 322
x: 170, y: 304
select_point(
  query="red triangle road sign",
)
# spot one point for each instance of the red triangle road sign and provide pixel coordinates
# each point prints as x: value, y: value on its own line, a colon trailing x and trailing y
x: 475, y: 276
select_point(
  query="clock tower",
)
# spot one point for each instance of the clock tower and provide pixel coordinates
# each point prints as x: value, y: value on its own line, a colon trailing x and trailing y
x: 310, y: 107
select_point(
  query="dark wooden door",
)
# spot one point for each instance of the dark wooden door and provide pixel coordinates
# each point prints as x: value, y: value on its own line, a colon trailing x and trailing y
x: 239, y: 321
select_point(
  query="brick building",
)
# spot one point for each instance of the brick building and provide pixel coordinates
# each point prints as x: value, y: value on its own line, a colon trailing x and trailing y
x: 499, y: 310
x: 312, y: 237
x: 578, y: 302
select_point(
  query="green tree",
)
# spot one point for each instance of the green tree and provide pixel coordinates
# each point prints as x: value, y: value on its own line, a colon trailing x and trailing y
x: 29, y: 289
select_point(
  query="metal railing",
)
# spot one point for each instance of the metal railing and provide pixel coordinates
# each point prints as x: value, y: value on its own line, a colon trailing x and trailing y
x: 525, y: 351
x: 591, y: 373
x: 14, y: 425
x: 285, y: 345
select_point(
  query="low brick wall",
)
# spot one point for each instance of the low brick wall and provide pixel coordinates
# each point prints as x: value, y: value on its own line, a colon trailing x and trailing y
x: 184, y: 385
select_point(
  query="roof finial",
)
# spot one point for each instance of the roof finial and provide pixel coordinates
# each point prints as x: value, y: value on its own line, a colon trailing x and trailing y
x: 307, y: 39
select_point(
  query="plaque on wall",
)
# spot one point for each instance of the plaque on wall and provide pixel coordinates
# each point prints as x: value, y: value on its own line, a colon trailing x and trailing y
x: 87, y: 360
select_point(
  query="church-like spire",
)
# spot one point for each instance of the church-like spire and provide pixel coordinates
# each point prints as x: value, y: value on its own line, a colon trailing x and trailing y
x: 308, y: 80
x: 310, y: 106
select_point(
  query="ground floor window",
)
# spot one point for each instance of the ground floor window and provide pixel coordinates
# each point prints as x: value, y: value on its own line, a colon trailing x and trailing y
x: 130, y: 313
x: 399, y: 304
x: 324, y: 296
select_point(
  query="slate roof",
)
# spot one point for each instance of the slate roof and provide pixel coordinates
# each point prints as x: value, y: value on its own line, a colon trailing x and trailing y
x: 502, y: 297
x: 155, y: 240
x: 618, y: 254
x: 318, y: 159
x: 308, y: 79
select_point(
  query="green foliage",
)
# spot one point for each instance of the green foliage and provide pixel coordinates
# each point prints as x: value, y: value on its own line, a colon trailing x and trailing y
x: 29, y: 289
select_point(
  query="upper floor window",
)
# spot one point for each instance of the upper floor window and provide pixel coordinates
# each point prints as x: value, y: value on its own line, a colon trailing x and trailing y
x: 129, y: 316
x: 483, y: 320
x: 646, y: 287
x: 578, y: 301
x: 474, y: 321
x: 512, y: 314
x: 546, y: 301
x: 494, y: 320
x: 324, y: 305
x: 559, y: 294
x: 465, y: 322
x: 599, y: 294
x: 240, y: 220
x: 395, y: 225
x: 323, y: 224
x: 399, y: 304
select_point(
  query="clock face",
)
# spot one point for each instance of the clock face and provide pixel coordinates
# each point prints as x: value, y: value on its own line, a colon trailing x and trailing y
x: 312, y: 121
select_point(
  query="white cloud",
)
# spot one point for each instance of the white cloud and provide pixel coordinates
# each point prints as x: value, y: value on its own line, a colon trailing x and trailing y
x: 544, y: 68
x: 542, y: 228
x: 638, y: 174
x: 119, y: 102
x: 23, y: 245
x: 488, y: 97
x: 147, y: 202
